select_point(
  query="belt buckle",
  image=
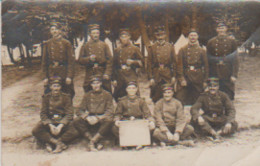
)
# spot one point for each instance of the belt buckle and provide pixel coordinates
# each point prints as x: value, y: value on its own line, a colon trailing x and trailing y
x: 192, y: 68
x: 214, y: 115
x: 95, y: 65
x: 56, y: 116
x: 221, y: 62
x: 124, y: 67
x: 161, y: 66
x: 55, y: 64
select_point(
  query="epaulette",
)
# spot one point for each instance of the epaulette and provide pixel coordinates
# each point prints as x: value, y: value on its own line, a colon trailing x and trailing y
x: 122, y: 98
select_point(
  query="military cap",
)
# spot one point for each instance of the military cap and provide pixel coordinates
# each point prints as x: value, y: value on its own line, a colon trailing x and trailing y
x: 56, y: 24
x: 96, y: 78
x: 55, y: 80
x: 132, y: 83
x: 159, y: 29
x: 167, y: 87
x: 193, y: 30
x: 124, y: 31
x: 93, y: 26
x: 213, y: 81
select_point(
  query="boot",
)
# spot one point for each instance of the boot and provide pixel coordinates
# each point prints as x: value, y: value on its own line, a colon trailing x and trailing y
x: 92, y: 142
x: 60, y: 146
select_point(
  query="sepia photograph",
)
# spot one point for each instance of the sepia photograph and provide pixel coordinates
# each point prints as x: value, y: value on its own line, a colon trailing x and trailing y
x: 130, y: 82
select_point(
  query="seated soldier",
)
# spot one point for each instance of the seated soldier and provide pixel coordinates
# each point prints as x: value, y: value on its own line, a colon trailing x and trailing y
x: 218, y: 116
x: 95, y: 113
x: 132, y: 107
x: 55, y: 129
x: 171, y: 125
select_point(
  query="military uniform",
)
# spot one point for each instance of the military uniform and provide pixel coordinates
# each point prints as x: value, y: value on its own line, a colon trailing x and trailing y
x: 122, y: 72
x: 58, y: 60
x: 127, y: 108
x: 56, y: 110
x: 162, y: 66
x: 169, y: 116
x: 99, y: 104
x: 101, y: 66
x: 195, y: 67
x: 222, y: 63
x: 218, y: 110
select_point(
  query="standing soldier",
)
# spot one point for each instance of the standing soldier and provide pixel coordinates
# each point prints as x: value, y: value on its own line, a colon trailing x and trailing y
x: 195, y: 67
x: 96, y: 57
x: 218, y: 117
x: 126, y: 59
x: 222, y: 63
x: 171, y: 125
x: 132, y: 107
x: 95, y: 112
x: 162, y: 64
x: 58, y: 60
x: 55, y: 129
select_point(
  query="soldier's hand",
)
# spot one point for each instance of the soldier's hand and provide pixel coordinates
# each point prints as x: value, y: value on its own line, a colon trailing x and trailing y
x: 106, y: 77
x: 176, y: 137
x: 152, y: 82
x: 233, y: 79
x: 59, y: 128
x: 169, y: 135
x: 68, y: 81
x: 92, y: 120
x: 129, y: 62
x: 114, y: 83
x: 132, y: 118
x: 205, y: 85
x: 117, y: 123
x: 45, y: 81
x: 93, y: 58
x: 227, y: 128
x: 151, y: 125
x: 183, y: 83
x: 201, y: 120
x: 173, y: 80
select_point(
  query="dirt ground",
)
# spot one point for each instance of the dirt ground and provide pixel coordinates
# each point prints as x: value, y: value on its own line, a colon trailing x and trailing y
x: 21, y: 107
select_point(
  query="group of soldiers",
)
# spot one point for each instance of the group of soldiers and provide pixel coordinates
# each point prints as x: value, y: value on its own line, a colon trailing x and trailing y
x: 203, y: 79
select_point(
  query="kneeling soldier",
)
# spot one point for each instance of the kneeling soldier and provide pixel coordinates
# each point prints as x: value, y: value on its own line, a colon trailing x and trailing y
x: 218, y: 116
x: 170, y: 119
x: 55, y: 128
x: 132, y: 107
x: 96, y: 112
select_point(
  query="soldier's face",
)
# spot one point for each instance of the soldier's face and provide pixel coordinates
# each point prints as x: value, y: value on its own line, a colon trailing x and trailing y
x: 221, y: 30
x: 167, y: 95
x: 55, y: 32
x: 131, y: 90
x: 213, y: 89
x: 94, y: 34
x: 96, y: 85
x: 160, y: 36
x: 124, y: 39
x: 193, y: 37
x: 55, y: 89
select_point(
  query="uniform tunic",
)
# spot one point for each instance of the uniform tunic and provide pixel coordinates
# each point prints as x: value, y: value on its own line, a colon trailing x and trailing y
x: 218, y: 110
x: 56, y: 110
x: 101, y: 66
x: 169, y: 116
x: 58, y: 60
x: 195, y: 67
x: 98, y: 104
x: 127, y: 107
x: 123, y: 73
x: 221, y: 63
x: 162, y: 66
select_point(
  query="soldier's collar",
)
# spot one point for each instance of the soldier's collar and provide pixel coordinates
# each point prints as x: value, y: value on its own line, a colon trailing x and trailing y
x: 57, y: 38
x: 99, y: 91
x: 194, y: 44
x: 161, y: 43
x: 93, y: 41
x: 132, y: 99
